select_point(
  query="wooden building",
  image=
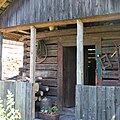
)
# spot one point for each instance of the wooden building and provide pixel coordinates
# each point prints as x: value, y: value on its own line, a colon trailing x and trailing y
x: 83, y: 47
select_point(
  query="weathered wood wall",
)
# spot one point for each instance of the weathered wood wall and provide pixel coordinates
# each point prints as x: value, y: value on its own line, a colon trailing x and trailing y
x: 97, y: 103
x: 110, y: 75
x: 32, y: 11
x: 48, y: 70
x: 22, y: 95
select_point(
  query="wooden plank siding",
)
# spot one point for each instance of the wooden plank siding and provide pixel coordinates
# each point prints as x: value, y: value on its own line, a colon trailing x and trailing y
x: 22, y: 95
x: 97, y: 103
x: 29, y: 11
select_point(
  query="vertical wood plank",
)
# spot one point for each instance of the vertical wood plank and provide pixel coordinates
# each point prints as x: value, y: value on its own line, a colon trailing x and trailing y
x: 23, y: 100
x: 119, y: 62
x: 18, y: 97
x: 98, y: 63
x: 1, y: 42
x: 32, y: 8
x: 92, y: 103
x: 78, y: 104
x: 101, y: 103
x: 80, y: 78
x: 60, y: 75
x: 117, y: 103
x: 85, y: 102
x: 110, y: 107
x: 28, y: 101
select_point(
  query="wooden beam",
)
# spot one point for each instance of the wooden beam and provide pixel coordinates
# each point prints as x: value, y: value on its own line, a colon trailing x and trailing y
x: 32, y: 54
x: 63, y: 22
x: 22, y: 31
x: 60, y: 88
x: 1, y: 42
x: 15, y: 36
x: 2, y: 2
x: 32, y: 66
x: 80, y: 53
x: 12, y: 35
x: 87, y: 30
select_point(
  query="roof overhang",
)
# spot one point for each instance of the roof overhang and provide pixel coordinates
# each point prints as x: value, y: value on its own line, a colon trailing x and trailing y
x: 4, y: 5
x: 62, y: 22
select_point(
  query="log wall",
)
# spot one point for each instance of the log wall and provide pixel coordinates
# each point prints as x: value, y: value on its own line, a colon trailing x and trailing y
x: 31, y: 11
x: 48, y: 70
x: 110, y: 75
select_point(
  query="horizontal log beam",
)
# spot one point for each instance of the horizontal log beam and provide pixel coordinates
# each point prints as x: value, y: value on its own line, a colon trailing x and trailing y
x: 12, y: 35
x: 49, y: 82
x: 87, y: 30
x: 63, y: 22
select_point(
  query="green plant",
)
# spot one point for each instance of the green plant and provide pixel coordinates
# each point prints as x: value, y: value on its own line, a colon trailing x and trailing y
x: 53, y: 110
x: 9, y: 113
x: 44, y: 110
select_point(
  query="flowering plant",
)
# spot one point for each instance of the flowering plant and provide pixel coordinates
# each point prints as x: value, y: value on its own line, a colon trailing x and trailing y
x: 10, y: 113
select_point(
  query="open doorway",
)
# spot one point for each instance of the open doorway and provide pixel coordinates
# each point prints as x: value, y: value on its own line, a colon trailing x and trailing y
x: 69, y: 76
x: 89, y: 65
x: 69, y: 72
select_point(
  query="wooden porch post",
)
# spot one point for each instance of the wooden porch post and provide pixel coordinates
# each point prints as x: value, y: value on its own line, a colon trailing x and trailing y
x: 32, y: 54
x: 1, y: 41
x: 32, y: 66
x: 80, y: 58
x: 80, y: 77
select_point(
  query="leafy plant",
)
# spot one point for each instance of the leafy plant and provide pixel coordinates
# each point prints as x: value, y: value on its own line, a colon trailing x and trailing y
x: 53, y: 110
x: 44, y: 109
x: 10, y: 113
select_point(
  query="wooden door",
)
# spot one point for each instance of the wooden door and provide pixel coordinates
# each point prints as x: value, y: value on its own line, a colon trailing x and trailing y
x: 69, y: 75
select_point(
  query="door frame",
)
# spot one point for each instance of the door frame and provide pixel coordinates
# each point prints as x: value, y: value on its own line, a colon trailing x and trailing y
x: 98, y: 79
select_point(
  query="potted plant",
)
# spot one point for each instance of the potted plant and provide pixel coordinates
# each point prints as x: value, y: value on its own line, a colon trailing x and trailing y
x: 49, y: 114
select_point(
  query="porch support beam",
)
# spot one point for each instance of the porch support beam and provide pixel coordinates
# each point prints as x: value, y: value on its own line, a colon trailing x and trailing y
x: 32, y: 54
x: 1, y: 42
x: 80, y: 52
x: 32, y: 66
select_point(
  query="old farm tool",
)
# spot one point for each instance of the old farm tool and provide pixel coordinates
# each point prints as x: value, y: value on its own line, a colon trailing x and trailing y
x: 105, y: 62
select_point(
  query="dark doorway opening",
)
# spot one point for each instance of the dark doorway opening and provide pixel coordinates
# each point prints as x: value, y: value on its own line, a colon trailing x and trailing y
x: 69, y: 76
x: 89, y: 65
x: 69, y: 72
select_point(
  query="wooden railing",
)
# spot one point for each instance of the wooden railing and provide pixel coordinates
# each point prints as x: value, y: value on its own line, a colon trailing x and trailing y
x: 97, y: 103
x: 22, y: 94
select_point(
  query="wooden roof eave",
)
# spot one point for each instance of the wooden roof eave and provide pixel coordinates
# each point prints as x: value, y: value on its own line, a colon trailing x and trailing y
x: 2, y: 2
x: 62, y: 22
x: 4, y: 5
